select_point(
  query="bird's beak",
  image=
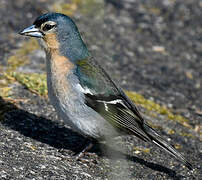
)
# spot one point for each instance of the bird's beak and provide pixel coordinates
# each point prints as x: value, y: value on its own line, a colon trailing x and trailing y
x: 32, y: 31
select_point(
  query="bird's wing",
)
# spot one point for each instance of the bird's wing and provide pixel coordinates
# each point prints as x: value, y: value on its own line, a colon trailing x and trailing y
x: 102, y: 95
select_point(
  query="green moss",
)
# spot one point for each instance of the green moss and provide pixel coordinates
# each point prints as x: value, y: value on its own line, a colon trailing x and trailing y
x: 152, y: 106
x: 186, y: 134
x: 6, y: 79
x: 90, y: 7
x: 171, y: 131
x: 139, y: 149
x: 20, y: 57
x: 37, y: 84
x: 34, y: 82
x: 5, y: 92
x: 87, y: 7
x: 155, y: 126
x: 65, y: 8
x: 178, y: 146
x: 154, y: 10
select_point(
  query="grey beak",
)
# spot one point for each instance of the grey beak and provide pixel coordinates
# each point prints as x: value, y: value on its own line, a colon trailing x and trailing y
x: 32, y: 31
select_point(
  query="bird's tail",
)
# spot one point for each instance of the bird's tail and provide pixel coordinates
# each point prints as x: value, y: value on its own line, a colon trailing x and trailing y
x: 159, y: 141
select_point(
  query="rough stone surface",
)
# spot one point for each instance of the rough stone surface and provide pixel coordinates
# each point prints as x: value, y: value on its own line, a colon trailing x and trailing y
x: 151, y: 47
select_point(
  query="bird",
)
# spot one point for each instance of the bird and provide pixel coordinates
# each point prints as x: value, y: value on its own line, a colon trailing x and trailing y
x: 81, y: 91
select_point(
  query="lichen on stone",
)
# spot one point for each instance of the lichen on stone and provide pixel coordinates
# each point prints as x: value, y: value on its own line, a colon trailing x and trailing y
x: 20, y: 57
x: 86, y: 7
x: 140, y: 149
x: 162, y: 110
x: 33, y: 81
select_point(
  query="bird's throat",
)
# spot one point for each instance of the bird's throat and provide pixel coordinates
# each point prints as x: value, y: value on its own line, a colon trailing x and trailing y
x: 51, y: 42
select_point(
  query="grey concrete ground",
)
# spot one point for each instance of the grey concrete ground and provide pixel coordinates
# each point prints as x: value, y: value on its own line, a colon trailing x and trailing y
x: 151, y: 47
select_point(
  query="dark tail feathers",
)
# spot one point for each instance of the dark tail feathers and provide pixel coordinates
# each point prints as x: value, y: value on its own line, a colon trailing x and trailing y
x: 159, y: 141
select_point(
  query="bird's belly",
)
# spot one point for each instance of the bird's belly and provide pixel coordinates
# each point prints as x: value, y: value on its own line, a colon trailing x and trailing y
x: 81, y: 118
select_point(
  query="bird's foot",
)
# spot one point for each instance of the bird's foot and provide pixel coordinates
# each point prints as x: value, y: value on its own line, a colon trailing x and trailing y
x: 84, y: 151
x: 80, y: 156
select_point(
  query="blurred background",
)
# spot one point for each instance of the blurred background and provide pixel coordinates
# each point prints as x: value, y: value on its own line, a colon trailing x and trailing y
x: 153, y: 50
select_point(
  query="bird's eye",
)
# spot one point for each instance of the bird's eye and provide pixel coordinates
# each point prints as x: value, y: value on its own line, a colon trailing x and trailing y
x: 48, y: 27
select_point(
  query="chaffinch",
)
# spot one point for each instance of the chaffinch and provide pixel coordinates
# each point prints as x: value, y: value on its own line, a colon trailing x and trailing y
x: 81, y: 91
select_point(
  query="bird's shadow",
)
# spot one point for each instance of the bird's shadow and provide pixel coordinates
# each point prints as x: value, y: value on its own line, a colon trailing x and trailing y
x: 60, y: 137
x: 111, y: 153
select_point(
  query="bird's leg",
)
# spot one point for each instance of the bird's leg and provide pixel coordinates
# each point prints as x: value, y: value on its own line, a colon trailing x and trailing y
x: 88, y: 146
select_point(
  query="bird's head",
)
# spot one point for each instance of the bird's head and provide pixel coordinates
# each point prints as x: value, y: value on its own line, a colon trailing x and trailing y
x: 58, y: 31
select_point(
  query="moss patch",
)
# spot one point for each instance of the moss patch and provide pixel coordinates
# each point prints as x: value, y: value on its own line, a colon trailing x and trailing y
x: 65, y: 8
x: 152, y: 106
x: 139, y: 149
x: 186, y: 134
x: 34, y: 82
x: 171, y: 131
x: 87, y: 7
x: 90, y: 7
x: 20, y: 57
x: 5, y: 92
x: 178, y: 146
x: 37, y: 84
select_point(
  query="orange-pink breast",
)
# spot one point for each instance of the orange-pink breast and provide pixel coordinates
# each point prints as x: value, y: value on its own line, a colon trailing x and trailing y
x: 60, y: 66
